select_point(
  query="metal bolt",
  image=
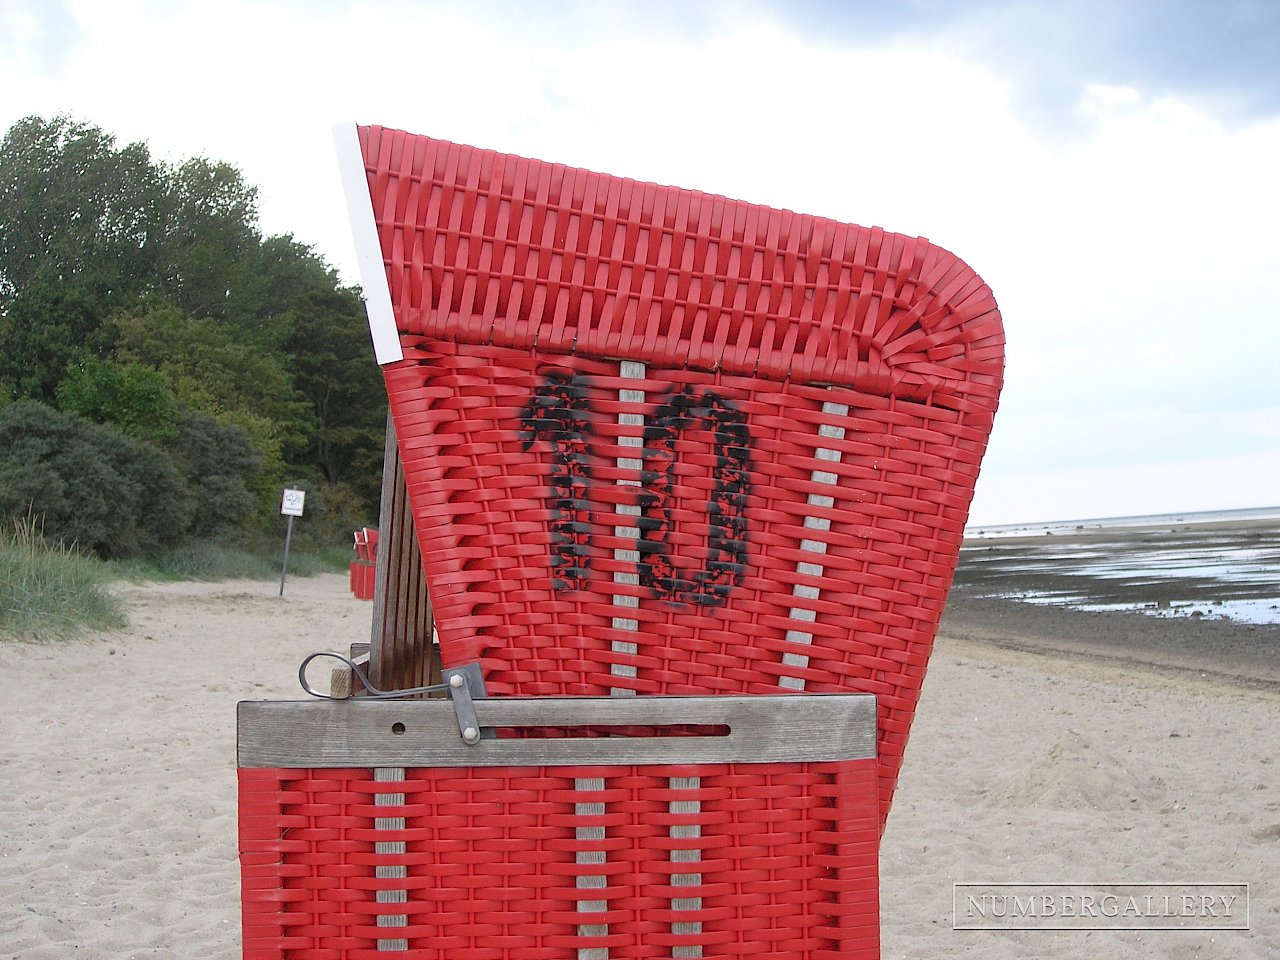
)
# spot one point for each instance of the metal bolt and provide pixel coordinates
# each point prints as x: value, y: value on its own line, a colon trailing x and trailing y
x: 470, y: 734
x: 456, y: 681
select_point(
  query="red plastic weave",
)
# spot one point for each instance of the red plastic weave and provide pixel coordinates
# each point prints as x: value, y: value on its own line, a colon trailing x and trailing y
x: 362, y: 574
x: 658, y: 441
x: 366, y: 545
x: 361, y: 578
x: 739, y: 860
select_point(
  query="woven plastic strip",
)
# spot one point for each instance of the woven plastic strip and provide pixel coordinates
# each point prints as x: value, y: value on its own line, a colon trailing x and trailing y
x: 658, y: 441
x: 543, y: 863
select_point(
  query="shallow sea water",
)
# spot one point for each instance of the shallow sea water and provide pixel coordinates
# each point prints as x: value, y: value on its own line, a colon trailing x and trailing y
x: 1218, y: 565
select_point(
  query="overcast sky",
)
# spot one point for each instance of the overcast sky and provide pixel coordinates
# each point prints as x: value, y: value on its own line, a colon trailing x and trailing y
x: 1109, y: 168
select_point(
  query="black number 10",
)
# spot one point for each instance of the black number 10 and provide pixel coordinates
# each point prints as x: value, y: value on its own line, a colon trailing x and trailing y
x: 557, y: 416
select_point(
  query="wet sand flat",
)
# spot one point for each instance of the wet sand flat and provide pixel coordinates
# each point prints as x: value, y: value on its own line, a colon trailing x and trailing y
x: 1177, y: 583
x: 1209, y: 570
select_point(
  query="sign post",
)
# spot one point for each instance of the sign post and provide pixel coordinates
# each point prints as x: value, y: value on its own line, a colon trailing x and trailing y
x: 290, y: 506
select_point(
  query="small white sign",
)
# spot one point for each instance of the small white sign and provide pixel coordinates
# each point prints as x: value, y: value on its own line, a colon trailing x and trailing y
x: 291, y: 505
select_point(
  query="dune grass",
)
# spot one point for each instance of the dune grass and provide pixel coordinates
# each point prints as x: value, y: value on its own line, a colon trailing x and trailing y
x: 214, y: 561
x: 51, y: 591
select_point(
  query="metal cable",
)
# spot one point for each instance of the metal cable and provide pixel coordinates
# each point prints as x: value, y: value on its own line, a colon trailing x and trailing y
x: 373, y: 693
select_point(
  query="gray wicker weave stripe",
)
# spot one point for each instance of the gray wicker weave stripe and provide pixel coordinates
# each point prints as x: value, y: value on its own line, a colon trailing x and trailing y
x: 626, y: 603
x: 390, y: 848
x: 819, y: 547
x: 592, y: 881
x: 680, y: 832
x: 628, y: 558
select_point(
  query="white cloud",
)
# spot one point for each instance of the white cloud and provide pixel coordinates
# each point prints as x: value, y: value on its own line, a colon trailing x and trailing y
x: 1133, y: 258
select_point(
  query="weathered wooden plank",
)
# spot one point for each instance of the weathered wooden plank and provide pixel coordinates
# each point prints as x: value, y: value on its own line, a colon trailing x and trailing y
x: 381, y: 579
x: 401, y: 653
x: 415, y: 733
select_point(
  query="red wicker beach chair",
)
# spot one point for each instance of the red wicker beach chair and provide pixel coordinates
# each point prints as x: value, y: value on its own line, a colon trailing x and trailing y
x: 362, y: 567
x: 662, y: 442
x: 659, y: 445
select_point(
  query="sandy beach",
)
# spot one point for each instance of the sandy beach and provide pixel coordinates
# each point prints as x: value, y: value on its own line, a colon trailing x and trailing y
x: 1049, y: 746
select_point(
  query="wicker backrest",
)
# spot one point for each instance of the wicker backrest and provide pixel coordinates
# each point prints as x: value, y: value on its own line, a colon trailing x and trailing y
x: 659, y: 441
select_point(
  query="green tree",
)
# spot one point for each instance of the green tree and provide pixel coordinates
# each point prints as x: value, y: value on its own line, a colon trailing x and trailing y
x: 286, y: 272
x: 209, y: 370
x: 334, y: 369
x: 80, y: 225
x: 128, y: 396
x: 209, y: 249
x: 43, y: 333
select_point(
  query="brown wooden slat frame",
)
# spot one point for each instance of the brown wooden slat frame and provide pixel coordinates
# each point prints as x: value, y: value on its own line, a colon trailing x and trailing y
x: 401, y: 653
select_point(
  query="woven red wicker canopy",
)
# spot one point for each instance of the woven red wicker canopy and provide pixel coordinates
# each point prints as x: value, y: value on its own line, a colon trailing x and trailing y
x: 658, y: 441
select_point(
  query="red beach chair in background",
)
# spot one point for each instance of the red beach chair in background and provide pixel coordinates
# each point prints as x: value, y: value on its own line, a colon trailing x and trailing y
x: 364, y: 565
x: 656, y: 443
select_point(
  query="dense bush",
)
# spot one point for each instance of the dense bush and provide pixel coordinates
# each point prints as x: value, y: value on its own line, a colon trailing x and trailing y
x: 218, y: 463
x: 90, y: 485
